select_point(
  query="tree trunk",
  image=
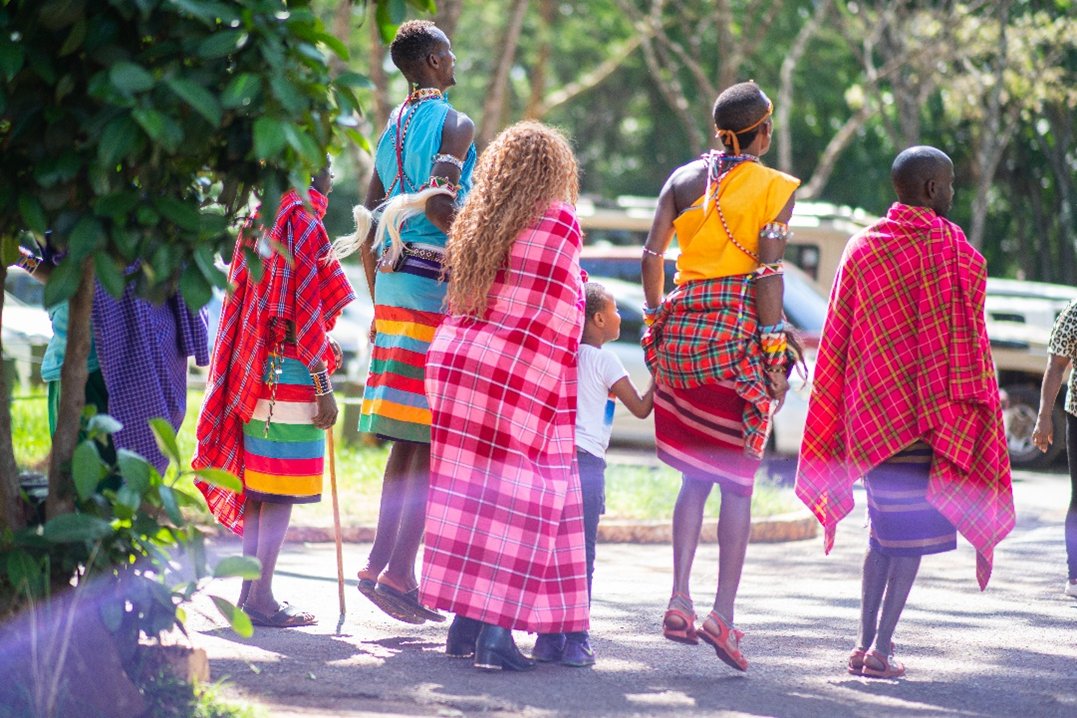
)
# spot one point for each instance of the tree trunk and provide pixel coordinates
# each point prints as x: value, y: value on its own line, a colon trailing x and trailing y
x: 783, y: 112
x: 11, y: 518
x: 494, y: 107
x: 380, y: 113
x: 72, y: 395
x: 547, y: 15
x: 448, y: 16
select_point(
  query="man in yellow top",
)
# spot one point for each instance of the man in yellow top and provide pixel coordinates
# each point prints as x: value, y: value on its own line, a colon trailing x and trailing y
x: 717, y: 345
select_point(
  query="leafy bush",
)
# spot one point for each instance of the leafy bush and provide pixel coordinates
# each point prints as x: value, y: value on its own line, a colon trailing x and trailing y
x: 126, y: 540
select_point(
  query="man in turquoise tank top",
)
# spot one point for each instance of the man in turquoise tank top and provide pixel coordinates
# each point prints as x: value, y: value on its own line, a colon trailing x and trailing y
x: 422, y: 172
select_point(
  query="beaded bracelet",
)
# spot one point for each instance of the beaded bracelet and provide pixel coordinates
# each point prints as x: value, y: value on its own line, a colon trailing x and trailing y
x: 774, y: 230
x: 322, y: 384
x: 28, y: 262
x: 450, y: 160
x: 772, y: 328
x: 770, y: 269
x: 442, y: 183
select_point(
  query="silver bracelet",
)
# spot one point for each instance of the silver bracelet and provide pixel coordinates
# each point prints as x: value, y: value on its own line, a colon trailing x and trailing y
x: 647, y: 250
x: 774, y: 230
x: 451, y: 160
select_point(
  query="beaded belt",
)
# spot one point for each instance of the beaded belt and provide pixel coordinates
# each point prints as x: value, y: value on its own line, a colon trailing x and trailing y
x: 429, y: 252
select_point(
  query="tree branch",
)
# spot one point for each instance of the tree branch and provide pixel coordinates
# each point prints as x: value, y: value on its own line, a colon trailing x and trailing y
x: 792, y: 59
x: 494, y: 106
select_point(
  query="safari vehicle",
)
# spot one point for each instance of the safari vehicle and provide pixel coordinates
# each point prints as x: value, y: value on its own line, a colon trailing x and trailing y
x: 1019, y: 314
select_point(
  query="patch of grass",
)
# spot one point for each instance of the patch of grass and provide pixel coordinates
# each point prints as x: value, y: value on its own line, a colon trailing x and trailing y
x: 632, y: 491
x: 30, y: 428
x: 643, y: 492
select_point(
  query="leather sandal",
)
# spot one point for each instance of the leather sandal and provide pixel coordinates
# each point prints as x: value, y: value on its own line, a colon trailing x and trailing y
x: 725, y: 639
x: 876, y: 665
x: 856, y: 661
x: 685, y: 631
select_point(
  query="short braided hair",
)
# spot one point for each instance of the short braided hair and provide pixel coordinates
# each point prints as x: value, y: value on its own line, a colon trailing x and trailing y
x: 414, y: 42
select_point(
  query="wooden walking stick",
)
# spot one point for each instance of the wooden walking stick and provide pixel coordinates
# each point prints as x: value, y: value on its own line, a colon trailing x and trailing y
x: 336, y: 523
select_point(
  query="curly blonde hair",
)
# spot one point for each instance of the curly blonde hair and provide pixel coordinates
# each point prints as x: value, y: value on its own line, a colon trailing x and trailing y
x: 525, y: 169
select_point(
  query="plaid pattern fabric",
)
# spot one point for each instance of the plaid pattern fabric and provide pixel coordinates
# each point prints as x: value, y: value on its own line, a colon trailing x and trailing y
x: 705, y: 333
x: 904, y: 357
x: 311, y: 292
x: 504, y: 525
x: 152, y: 381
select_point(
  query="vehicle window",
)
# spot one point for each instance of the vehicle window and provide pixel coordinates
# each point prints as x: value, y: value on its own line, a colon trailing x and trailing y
x: 804, y: 306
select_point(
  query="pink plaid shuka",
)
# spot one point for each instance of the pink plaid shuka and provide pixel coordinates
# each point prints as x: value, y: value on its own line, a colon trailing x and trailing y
x: 904, y: 356
x: 504, y: 524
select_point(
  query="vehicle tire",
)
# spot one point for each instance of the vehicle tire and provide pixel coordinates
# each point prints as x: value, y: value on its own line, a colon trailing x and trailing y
x: 1020, y: 418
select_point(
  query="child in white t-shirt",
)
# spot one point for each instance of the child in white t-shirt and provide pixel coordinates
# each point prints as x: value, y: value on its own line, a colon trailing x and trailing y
x: 602, y: 378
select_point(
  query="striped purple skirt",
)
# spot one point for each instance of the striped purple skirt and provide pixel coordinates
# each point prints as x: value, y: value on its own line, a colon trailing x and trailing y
x: 903, y: 523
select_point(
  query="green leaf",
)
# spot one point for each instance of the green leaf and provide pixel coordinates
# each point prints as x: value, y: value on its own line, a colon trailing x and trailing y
x: 134, y: 469
x: 86, y: 469
x: 304, y: 144
x: 129, y: 498
x: 109, y: 274
x: 354, y: 79
x: 199, y: 98
x: 9, y: 249
x: 24, y: 573
x: 268, y: 139
x: 333, y: 44
x: 240, y: 622
x: 33, y: 214
x: 75, y: 38
x: 117, y: 139
x: 193, y: 286
x: 115, y: 205
x: 11, y: 57
x: 130, y: 78
x: 242, y: 90
x: 245, y: 567
x: 203, y: 257
x: 389, y: 15
x: 103, y: 424
x: 182, y: 214
x: 74, y: 528
x: 166, y: 438
x: 62, y: 282
x: 160, y: 127
x: 292, y: 100
x: 87, y: 237
x: 359, y: 139
x: 221, y: 44
x: 168, y: 500
x: 222, y: 478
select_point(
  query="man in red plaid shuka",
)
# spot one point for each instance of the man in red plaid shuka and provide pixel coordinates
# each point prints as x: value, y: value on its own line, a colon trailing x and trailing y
x: 905, y: 396
x: 269, y: 398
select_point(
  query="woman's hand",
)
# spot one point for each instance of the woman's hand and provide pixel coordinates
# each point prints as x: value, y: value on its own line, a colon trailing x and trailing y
x: 373, y: 333
x: 326, y: 415
x: 777, y: 385
x: 1043, y: 434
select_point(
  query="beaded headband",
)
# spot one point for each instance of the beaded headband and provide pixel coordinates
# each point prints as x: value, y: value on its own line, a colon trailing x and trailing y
x: 729, y: 137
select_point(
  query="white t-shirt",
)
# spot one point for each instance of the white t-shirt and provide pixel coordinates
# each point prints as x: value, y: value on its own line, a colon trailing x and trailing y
x: 599, y: 369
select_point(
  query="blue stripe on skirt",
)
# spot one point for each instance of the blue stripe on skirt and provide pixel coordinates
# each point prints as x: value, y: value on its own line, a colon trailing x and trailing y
x: 903, y: 523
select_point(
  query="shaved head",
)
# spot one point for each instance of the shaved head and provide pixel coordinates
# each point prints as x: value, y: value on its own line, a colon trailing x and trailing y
x: 923, y: 176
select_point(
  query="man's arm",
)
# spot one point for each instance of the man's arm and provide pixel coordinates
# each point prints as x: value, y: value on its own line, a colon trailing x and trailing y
x: 374, y: 195
x: 652, y: 266
x: 456, y: 137
x: 1043, y: 434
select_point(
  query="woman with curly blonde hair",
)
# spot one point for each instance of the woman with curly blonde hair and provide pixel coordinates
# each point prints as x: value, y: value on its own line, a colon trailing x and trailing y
x: 504, y: 526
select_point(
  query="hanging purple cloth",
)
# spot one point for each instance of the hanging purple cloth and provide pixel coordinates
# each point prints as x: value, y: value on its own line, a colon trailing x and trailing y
x: 143, y: 350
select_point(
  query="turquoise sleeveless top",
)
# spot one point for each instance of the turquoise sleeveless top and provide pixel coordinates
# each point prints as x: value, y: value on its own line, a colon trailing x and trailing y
x: 422, y: 140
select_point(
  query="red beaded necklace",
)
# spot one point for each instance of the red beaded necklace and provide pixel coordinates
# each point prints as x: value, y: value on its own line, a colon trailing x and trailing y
x: 417, y: 96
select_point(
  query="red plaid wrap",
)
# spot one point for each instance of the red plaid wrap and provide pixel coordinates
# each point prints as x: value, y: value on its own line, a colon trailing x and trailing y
x: 706, y: 333
x: 309, y: 291
x: 905, y: 356
x: 504, y: 524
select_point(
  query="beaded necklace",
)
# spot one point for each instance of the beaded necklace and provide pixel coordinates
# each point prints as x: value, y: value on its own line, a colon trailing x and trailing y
x: 410, y: 106
x: 719, y: 164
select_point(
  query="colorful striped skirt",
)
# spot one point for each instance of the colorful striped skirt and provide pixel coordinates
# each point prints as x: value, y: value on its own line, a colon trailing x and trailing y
x: 903, y: 523
x: 285, y: 463
x: 700, y: 432
x: 394, y: 400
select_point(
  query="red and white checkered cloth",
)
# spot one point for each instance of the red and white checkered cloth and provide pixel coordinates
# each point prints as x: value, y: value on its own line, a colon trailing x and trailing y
x: 310, y: 291
x: 504, y: 525
x: 905, y: 356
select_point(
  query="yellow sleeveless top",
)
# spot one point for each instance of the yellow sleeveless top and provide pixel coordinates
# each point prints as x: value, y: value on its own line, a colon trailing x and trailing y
x: 751, y: 195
